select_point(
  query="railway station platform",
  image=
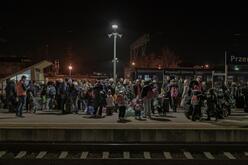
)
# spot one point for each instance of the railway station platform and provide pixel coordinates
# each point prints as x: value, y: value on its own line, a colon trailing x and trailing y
x: 174, y: 128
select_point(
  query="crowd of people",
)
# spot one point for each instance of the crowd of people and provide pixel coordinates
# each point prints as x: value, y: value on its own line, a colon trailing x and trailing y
x: 141, y: 98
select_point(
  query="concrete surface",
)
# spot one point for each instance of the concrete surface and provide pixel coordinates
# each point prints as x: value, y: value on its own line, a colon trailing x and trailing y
x: 173, y: 120
x: 54, y: 127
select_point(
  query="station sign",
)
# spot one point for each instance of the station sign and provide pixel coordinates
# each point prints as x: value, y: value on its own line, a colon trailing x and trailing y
x: 237, y: 59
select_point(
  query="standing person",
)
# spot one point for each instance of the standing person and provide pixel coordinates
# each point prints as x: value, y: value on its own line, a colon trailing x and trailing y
x: 21, y: 89
x: 146, y: 95
x: 100, y: 99
x: 185, y: 93
x: 63, y: 88
x: 137, y: 89
x: 110, y: 103
x: 74, y: 95
x: 10, y: 91
x: 30, y: 97
x: 245, y: 93
x: 121, y: 102
x: 43, y: 96
x: 174, y: 96
x: 89, y: 98
x: 195, y: 102
x: 212, y: 104
x: 51, y: 93
x: 58, y: 97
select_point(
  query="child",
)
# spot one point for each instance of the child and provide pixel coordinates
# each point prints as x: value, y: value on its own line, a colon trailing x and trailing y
x: 138, y: 107
x: 121, y: 101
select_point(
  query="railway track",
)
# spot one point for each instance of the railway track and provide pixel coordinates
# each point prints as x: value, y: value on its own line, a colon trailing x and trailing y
x: 78, y: 153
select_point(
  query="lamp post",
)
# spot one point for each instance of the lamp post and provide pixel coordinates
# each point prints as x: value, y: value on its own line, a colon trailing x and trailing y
x: 70, y: 68
x: 115, y: 35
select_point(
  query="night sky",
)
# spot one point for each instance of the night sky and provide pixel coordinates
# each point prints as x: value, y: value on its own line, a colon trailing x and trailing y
x: 197, y: 31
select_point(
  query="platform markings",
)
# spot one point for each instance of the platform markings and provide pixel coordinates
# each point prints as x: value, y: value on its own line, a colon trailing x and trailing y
x: 63, y: 155
x: 41, y: 154
x: 105, y: 155
x: 126, y: 155
x: 246, y: 153
x: 147, y: 155
x: 188, y: 155
x: 2, y: 153
x: 84, y: 155
x: 209, y: 155
x: 229, y: 155
x: 167, y: 155
x: 21, y: 154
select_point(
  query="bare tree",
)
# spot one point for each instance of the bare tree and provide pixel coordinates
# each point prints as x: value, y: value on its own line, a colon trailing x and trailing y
x: 164, y: 59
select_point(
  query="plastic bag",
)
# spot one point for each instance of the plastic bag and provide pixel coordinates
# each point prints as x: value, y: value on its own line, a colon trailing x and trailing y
x: 130, y: 112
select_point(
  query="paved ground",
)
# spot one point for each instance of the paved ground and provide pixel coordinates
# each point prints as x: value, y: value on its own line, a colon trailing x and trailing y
x: 173, y: 120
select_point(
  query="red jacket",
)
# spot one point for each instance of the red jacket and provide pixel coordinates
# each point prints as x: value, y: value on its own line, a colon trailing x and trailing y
x: 20, y: 89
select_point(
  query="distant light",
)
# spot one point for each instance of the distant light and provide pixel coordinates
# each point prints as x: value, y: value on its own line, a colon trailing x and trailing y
x: 115, y: 26
x: 206, y: 66
x: 159, y: 67
x: 70, y: 67
x: 236, y: 68
x: 133, y: 63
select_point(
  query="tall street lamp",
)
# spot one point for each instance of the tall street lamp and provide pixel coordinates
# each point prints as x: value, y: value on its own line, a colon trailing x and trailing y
x: 115, y: 35
x: 70, y: 68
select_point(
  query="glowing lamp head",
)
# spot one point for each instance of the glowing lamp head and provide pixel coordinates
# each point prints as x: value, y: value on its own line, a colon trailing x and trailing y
x: 114, y: 26
x: 133, y: 63
x: 70, y: 67
x: 207, y: 66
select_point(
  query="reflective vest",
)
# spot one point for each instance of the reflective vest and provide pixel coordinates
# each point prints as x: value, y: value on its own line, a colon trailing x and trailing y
x: 19, y: 89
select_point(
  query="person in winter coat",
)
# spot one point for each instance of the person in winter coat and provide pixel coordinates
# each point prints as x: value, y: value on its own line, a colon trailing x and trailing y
x: 212, y: 104
x: 62, y: 93
x: 147, y: 95
x: 110, y: 104
x: 99, y: 100
x: 10, y: 91
x: 30, y: 97
x: 51, y: 93
x: 137, y: 88
x: 174, y: 95
x: 21, y: 89
x: 185, y: 93
x: 196, y: 102
x: 122, y: 105
x: 89, y: 98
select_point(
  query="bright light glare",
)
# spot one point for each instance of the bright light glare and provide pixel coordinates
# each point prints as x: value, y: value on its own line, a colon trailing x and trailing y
x: 236, y: 68
x: 115, y: 26
x: 133, y: 63
x: 70, y: 67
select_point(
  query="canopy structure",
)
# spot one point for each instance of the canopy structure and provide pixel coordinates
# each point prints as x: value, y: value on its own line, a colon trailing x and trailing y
x: 34, y: 72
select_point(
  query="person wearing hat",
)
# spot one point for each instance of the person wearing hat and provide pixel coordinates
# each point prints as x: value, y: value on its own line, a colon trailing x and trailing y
x: 21, y: 94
